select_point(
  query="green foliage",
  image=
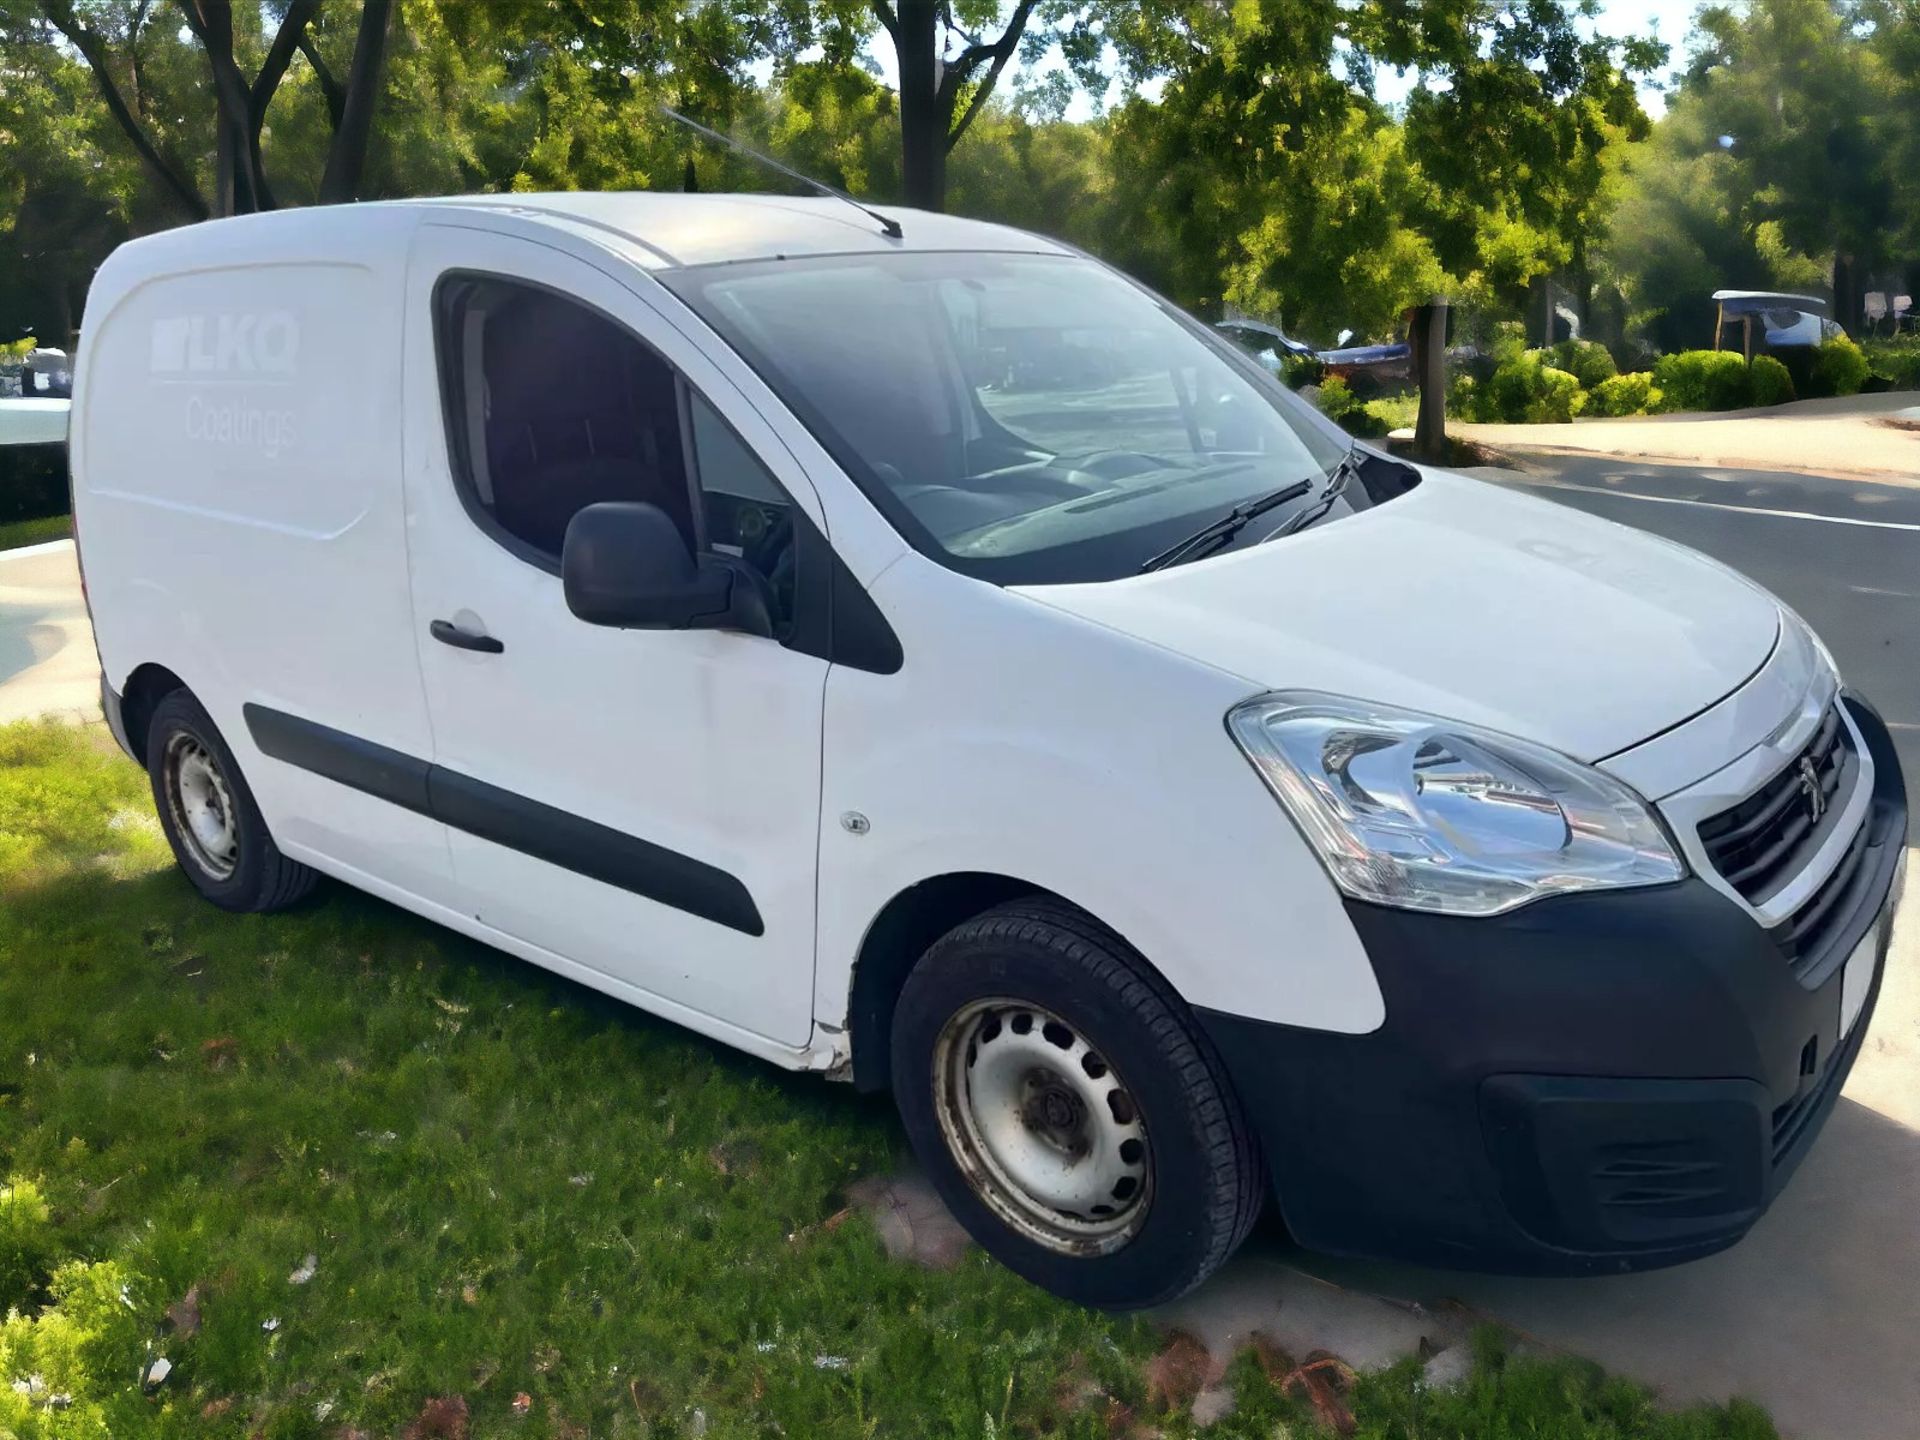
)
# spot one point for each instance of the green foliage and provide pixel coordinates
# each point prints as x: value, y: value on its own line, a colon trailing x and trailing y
x: 26, y: 1242
x: 1340, y: 405
x: 1839, y: 368
x: 1299, y: 371
x: 1588, y: 361
x: 68, y: 1365
x: 1523, y: 390
x: 1631, y: 394
x: 1704, y: 380
x: 33, y: 482
x: 1897, y: 360
x: 1506, y: 1396
x: 1772, y: 382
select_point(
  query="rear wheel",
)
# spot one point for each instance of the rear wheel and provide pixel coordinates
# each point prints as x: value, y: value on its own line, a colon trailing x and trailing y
x: 209, y: 815
x: 1069, y: 1111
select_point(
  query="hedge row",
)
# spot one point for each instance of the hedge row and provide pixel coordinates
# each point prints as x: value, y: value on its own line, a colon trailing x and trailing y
x: 1578, y: 378
x: 33, y: 482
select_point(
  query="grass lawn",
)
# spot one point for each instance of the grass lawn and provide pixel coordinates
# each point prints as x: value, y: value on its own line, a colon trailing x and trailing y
x: 531, y: 1212
x: 15, y: 533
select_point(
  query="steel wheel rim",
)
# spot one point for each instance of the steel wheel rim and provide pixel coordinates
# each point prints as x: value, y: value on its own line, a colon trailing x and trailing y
x: 1042, y: 1126
x: 201, y: 805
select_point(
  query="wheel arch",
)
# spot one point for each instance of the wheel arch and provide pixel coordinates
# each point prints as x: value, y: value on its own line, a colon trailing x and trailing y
x: 146, y: 687
x: 901, y: 933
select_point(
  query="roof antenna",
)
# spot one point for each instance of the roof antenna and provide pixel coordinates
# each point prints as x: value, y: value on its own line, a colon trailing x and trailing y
x: 889, y: 228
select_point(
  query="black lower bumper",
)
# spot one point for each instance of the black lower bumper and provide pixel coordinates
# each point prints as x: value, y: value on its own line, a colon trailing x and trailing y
x: 1591, y: 1083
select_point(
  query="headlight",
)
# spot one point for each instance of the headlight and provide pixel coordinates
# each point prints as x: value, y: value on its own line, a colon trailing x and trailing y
x: 1427, y: 814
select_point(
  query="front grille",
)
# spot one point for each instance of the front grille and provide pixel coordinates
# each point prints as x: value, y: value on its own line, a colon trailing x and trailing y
x: 1808, y: 933
x: 1771, y: 834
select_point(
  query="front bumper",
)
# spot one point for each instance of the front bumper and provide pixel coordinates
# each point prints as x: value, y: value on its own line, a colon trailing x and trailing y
x: 1591, y: 1083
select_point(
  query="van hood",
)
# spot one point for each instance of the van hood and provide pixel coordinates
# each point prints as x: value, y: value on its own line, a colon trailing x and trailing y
x: 1467, y: 601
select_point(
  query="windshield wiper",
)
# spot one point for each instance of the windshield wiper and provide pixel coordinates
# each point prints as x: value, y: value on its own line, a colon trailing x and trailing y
x: 1210, y: 537
x: 1337, y: 481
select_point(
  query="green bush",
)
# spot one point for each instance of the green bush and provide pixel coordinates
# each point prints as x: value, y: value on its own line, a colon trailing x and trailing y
x: 1897, y: 359
x: 1523, y: 390
x: 33, y: 481
x: 1559, y: 400
x: 1704, y: 380
x: 1839, y: 368
x: 1630, y: 394
x: 1588, y: 361
x: 1300, y: 371
x: 1771, y: 382
x: 26, y: 1243
x: 1340, y: 405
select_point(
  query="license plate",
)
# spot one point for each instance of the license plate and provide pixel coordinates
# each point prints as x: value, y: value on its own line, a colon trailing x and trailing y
x: 1856, y: 982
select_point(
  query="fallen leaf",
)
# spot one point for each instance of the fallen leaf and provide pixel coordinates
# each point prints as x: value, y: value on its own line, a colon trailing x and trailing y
x: 219, y: 1052
x: 522, y: 1403
x: 1322, y: 1380
x: 184, y: 1314
x: 271, y: 1324
x: 309, y: 1267
x: 545, y: 1358
x: 214, y: 1409
x: 444, y: 1417
x: 1179, y: 1372
x: 469, y: 1294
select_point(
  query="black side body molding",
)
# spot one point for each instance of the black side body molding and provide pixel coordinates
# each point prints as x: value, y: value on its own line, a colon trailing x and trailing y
x: 585, y: 847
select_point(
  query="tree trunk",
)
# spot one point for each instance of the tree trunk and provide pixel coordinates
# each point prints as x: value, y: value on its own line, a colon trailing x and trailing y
x: 924, y: 117
x: 347, y: 157
x: 1847, y: 300
x: 1428, y: 334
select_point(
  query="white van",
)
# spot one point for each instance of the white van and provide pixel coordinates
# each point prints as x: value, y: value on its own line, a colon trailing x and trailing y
x: 938, y: 662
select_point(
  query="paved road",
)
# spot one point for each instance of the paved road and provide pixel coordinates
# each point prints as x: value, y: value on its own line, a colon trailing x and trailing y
x: 1844, y: 553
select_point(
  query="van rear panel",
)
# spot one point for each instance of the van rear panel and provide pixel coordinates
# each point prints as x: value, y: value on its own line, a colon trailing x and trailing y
x: 237, y: 483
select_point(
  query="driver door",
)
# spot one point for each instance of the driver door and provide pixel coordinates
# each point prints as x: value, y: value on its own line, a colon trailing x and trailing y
x: 643, y: 805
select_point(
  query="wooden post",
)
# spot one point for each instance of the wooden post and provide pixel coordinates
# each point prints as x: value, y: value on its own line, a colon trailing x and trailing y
x: 1719, y: 322
x: 1746, y: 338
x: 1429, y: 336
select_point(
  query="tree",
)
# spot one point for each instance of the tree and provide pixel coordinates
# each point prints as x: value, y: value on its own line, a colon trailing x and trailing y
x: 108, y: 35
x: 942, y: 94
x: 1784, y: 162
x: 1272, y: 180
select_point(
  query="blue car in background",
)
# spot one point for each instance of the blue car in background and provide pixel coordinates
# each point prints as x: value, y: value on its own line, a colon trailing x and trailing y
x: 1368, y: 370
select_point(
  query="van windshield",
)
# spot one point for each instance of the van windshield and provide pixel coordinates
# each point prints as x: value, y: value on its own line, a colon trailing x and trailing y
x: 1031, y: 419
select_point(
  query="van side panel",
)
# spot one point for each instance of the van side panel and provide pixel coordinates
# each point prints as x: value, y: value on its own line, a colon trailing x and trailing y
x: 237, y: 486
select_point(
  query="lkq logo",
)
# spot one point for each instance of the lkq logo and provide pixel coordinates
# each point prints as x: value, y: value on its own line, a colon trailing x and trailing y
x: 233, y: 345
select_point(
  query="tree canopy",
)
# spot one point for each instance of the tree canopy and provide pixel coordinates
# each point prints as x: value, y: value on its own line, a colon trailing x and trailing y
x: 1249, y: 160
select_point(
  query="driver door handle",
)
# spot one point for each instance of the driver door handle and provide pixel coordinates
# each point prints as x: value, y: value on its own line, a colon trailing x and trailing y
x: 447, y: 633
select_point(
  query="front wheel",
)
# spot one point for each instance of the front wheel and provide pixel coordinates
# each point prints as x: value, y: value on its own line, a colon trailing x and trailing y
x: 1068, y: 1111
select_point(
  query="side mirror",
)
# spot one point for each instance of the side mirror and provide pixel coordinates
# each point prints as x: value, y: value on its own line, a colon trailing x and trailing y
x: 625, y: 564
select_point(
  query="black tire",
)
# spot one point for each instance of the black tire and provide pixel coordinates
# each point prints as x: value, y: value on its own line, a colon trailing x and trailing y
x: 255, y: 876
x: 1205, y: 1184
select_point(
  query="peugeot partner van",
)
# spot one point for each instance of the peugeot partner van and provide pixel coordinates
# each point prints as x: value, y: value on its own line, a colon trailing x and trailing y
x: 934, y: 661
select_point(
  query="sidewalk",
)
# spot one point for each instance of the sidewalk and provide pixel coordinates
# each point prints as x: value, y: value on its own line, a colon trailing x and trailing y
x: 1846, y: 436
x: 47, y: 663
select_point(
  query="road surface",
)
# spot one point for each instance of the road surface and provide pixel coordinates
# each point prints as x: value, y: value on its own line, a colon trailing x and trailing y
x: 1844, y: 553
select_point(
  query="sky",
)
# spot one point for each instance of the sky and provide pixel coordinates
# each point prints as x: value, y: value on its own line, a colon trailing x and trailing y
x: 1668, y: 20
